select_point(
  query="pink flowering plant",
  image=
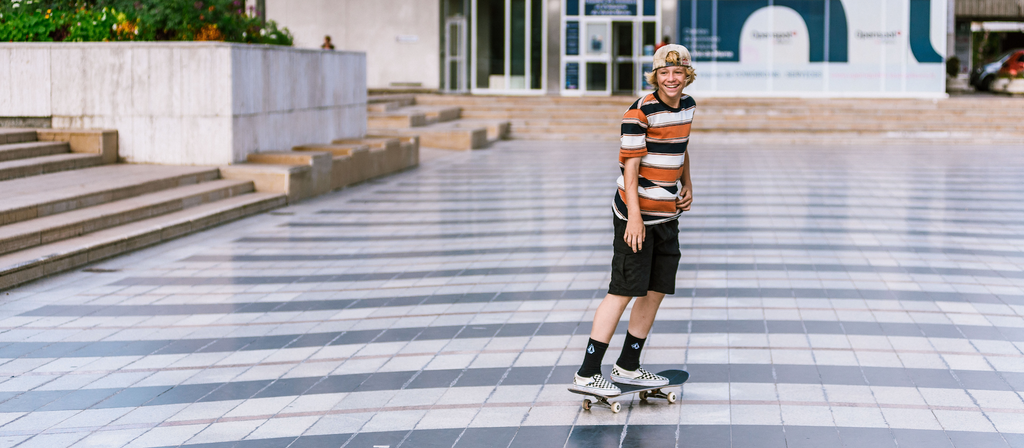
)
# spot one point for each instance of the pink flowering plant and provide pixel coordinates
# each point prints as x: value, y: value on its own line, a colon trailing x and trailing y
x: 143, y: 20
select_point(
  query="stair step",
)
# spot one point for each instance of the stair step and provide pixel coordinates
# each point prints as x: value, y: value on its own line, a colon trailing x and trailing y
x: 17, y: 135
x: 31, y: 264
x: 35, y: 166
x: 437, y: 114
x: 387, y: 103
x: 412, y: 116
x: 24, y: 150
x: 496, y: 129
x: 45, y: 230
x: 53, y: 193
x: 451, y: 135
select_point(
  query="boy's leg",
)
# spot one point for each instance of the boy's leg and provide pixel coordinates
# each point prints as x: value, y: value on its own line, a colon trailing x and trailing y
x: 605, y: 319
x: 644, y: 310
x: 640, y: 321
x: 664, y: 239
x: 588, y: 378
x: 630, y: 272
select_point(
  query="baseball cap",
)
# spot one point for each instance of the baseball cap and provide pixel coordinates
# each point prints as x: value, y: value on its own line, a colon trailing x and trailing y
x: 671, y: 55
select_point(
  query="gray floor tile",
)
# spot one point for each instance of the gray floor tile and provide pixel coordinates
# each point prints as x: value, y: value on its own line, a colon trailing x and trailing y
x: 867, y: 437
x: 434, y: 438
x: 976, y: 440
x: 650, y: 436
x: 718, y: 436
x: 811, y: 436
x: 913, y: 438
x: 603, y: 436
x: 760, y: 436
x: 537, y: 436
x: 475, y: 437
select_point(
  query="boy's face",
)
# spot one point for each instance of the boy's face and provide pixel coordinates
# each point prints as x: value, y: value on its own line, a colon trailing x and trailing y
x: 671, y: 80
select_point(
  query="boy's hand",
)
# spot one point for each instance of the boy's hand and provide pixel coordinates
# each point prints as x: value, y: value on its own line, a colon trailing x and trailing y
x: 635, y: 234
x: 685, y: 199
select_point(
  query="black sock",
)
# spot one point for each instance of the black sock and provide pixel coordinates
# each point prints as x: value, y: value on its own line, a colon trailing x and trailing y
x: 592, y: 359
x: 629, y: 359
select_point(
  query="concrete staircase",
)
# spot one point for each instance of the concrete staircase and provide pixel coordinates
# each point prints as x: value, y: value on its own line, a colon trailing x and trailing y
x: 64, y: 206
x: 311, y: 170
x: 957, y: 120
x: 437, y: 125
x: 22, y: 155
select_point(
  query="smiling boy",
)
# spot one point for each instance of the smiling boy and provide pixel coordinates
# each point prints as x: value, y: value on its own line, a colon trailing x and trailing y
x: 654, y: 190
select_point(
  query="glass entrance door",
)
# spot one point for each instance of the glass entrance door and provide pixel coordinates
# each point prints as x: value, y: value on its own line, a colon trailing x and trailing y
x: 623, y: 58
x: 455, y: 56
x: 606, y: 45
x: 508, y: 45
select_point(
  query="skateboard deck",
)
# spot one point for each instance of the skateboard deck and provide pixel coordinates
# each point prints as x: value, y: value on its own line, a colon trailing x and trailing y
x: 675, y: 378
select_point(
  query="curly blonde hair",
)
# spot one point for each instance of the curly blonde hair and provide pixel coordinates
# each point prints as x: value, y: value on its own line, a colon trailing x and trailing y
x: 652, y: 78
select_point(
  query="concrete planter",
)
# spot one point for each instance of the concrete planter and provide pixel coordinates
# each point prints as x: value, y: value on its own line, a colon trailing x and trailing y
x: 1015, y: 86
x: 999, y: 85
x: 188, y: 103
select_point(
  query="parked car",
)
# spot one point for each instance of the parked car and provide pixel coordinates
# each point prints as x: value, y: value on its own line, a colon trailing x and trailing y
x: 1013, y: 66
x: 982, y: 77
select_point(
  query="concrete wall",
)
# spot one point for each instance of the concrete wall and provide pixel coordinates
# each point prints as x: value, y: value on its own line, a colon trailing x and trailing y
x: 188, y: 103
x: 401, y: 38
x: 990, y: 9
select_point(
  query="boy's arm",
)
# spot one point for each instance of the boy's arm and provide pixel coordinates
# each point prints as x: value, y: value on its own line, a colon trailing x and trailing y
x: 635, y: 230
x: 686, y: 194
x: 633, y: 147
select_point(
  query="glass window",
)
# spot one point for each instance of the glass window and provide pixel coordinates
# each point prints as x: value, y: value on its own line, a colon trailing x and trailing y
x: 518, y: 44
x: 490, y: 44
x: 597, y: 76
x: 572, y: 76
x: 597, y: 38
x: 650, y: 39
x: 572, y: 38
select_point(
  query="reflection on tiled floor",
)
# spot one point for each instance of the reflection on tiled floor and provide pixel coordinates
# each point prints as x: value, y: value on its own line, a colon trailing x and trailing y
x: 857, y: 297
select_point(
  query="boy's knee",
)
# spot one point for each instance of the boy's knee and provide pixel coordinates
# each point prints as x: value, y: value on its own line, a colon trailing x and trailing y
x: 653, y: 296
x: 621, y: 301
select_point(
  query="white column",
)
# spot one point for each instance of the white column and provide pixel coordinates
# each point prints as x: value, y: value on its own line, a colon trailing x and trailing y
x: 950, y: 28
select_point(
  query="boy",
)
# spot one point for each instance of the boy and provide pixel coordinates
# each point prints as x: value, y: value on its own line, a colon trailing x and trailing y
x: 654, y: 190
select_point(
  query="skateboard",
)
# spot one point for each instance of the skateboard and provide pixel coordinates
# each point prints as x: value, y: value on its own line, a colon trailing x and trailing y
x: 675, y: 378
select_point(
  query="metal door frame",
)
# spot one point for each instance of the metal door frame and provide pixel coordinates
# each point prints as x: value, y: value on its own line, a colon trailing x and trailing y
x: 459, y: 22
x: 528, y: 49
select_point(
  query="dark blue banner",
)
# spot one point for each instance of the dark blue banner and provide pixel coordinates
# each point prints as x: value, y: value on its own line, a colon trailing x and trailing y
x: 610, y: 8
x: 572, y: 38
x: 572, y: 76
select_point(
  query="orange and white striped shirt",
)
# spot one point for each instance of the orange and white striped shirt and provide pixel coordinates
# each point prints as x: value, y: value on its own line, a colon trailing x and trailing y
x: 658, y: 134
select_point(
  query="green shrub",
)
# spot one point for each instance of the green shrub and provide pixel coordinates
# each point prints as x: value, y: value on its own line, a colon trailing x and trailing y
x: 953, y: 66
x: 93, y: 26
x: 24, y: 21
x: 147, y: 20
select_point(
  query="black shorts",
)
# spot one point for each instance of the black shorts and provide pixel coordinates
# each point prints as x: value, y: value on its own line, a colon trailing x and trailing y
x: 653, y: 268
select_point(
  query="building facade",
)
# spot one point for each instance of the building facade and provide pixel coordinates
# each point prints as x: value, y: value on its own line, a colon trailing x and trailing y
x: 602, y: 47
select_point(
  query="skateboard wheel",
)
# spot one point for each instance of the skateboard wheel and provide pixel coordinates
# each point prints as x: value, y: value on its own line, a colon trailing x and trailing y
x: 671, y: 397
x: 586, y: 404
x: 616, y: 407
x: 643, y: 395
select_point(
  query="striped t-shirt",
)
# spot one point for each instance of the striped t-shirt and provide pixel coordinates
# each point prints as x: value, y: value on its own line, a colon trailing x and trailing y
x: 658, y: 134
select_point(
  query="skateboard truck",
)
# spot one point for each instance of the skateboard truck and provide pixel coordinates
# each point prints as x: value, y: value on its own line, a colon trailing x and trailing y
x: 614, y: 405
x: 657, y: 393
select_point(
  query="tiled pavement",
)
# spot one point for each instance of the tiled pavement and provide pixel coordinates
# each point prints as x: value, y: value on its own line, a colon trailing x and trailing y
x: 857, y: 297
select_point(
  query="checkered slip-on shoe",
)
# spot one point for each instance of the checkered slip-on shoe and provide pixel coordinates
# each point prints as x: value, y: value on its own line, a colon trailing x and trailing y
x: 638, y: 377
x: 594, y: 385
